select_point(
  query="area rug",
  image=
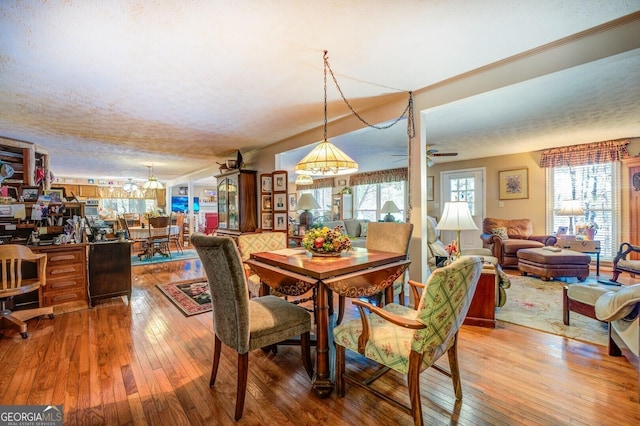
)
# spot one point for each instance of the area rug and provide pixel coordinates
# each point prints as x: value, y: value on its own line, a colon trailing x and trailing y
x: 175, y: 256
x: 191, y: 297
x: 537, y: 304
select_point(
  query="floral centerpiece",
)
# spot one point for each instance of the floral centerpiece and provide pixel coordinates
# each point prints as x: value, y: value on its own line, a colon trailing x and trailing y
x: 326, y: 242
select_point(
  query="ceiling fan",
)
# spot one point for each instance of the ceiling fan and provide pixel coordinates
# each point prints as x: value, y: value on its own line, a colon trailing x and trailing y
x: 431, y: 153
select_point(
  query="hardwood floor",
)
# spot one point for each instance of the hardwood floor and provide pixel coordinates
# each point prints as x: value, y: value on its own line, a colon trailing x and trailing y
x: 146, y: 363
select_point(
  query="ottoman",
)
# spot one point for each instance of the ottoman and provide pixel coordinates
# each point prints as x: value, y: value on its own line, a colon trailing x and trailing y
x: 553, y: 264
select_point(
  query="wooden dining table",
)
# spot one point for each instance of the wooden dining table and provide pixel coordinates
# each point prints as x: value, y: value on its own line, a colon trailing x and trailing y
x: 357, y: 273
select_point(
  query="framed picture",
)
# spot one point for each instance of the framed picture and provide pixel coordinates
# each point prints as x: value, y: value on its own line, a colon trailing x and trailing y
x: 562, y: 230
x: 56, y: 195
x: 514, y: 184
x: 280, y: 202
x: 265, y: 183
x: 266, y: 202
x: 30, y: 193
x: 12, y: 192
x: 293, y: 201
x: 342, y: 182
x: 280, y: 222
x: 267, y: 221
x: 302, y: 229
x: 279, y: 181
x: 183, y: 190
x: 429, y: 188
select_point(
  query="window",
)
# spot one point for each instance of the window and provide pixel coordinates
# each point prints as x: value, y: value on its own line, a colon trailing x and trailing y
x: 116, y: 206
x: 369, y: 199
x: 595, y: 186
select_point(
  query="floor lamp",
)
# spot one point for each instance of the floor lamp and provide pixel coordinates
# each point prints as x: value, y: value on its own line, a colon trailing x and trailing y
x: 456, y: 217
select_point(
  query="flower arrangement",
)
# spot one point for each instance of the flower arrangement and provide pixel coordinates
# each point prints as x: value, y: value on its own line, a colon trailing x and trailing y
x: 325, y: 241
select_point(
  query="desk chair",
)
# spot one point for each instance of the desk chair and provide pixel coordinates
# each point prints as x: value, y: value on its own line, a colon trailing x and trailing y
x: 13, y: 284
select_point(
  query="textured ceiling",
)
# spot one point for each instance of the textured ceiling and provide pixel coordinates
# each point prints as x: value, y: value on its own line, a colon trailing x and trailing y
x: 108, y: 87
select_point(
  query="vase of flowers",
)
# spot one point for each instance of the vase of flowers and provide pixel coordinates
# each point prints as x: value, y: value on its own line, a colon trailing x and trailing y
x: 326, y: 242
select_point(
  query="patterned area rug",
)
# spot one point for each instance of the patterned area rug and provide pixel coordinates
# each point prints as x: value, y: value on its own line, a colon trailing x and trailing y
x: 191, y: 297
x: 537, y: 304
x: 175, y: 256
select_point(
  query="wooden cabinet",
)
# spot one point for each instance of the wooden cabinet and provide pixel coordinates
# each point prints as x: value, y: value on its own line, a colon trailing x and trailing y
x: 237, y: 208
x: 87, y: 191
x: 482, y: 311
x: 341, y: 207
x: 66, y: 288
x: 109, y: 270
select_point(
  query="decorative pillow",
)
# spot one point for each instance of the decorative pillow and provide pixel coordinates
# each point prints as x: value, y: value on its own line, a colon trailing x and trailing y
x: 364, y: 228
x: 500, y: 232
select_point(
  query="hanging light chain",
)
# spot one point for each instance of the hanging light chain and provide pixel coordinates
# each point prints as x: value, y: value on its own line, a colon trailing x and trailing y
x: 408, y: 111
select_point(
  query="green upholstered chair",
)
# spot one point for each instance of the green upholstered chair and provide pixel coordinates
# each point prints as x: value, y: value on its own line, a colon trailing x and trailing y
x: 241, y: 323
x: 409, y: 341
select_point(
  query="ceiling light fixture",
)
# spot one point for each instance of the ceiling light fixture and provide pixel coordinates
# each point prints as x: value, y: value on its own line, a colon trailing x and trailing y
x: 303, y: 180
x: 129, y: 186
x: 326, y: 158
x: 152, y: 181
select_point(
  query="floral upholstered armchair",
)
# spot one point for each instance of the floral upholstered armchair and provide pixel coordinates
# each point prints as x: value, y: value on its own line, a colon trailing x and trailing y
x: 410, y: 341
x: 504, y: 237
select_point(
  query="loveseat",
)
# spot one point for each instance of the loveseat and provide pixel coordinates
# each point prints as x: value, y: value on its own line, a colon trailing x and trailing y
x: 356, y: 229
x: 504, y: 237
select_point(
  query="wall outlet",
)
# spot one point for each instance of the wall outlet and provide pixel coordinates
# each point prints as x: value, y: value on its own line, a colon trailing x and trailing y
x: 500, y: 203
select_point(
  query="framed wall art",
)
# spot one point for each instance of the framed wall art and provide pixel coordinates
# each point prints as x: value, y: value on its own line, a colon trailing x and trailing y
x: 514, y: 184
x: 56, y: 195
x: 30, y: 193
x: 266, y: 183
x: 293, y: 202
x: 280, y: 202
x: 267, y: 221
x: 266, y: 202
x: 280, y: 181
x: 280, y: 222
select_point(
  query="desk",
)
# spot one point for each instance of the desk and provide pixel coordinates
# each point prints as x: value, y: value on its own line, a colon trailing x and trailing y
x: 358, y: 273
x: 139, y: 233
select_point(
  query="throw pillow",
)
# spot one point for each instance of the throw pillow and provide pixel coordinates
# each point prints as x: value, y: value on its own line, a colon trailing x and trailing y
x: 364, y: 228
x: 500, y: 232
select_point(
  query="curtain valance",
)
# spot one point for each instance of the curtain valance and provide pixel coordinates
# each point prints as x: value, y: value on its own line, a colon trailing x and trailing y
x: 105, y: 192
x: 381, y: 176
x: 317, y: 183
x: 580, y: 155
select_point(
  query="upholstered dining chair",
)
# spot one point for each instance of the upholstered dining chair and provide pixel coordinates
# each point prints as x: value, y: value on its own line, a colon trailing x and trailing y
x: 12, y: 257
x: 241, y: 323
x: 386, y: 236
x: 410, y: 341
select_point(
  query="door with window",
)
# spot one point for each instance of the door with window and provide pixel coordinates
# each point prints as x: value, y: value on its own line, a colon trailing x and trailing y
x: 464, y: 185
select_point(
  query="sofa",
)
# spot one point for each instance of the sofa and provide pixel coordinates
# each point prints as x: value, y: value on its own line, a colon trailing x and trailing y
x: 356, y: 229
x: 504, y: 237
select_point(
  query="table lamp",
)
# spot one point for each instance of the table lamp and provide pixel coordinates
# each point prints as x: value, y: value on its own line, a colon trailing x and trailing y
x: 456, y: 217
x: 389, y: 207
x: 306, y: 202
x: 571, y: 208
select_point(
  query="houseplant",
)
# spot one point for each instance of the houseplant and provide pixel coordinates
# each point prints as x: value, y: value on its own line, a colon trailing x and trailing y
x: 326, y: 242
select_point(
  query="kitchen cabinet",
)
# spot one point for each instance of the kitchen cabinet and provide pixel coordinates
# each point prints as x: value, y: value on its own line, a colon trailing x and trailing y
x: 237, y: 205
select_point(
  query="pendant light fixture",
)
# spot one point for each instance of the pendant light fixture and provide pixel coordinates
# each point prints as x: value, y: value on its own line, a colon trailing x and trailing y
x: 326, y: 158
x: 303, y: 180
x: 152, y: 181
x: 129, y: 186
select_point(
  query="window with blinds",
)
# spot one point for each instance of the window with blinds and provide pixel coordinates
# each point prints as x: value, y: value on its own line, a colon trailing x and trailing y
x: 370, y: 198
x: 595, y: 186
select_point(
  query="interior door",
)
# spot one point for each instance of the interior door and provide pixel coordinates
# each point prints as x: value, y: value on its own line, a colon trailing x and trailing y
x: 465, y: 185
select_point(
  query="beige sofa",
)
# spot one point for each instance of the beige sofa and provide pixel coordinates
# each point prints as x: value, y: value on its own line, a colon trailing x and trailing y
x: 356, y: 229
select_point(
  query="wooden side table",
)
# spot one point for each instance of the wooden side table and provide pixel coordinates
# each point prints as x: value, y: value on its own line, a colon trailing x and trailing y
x: 482, y: 312
x: 583, y: 246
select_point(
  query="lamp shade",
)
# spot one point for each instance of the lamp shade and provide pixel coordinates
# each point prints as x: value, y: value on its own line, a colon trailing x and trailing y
x: 389, y: 207
x: 571, y: 208
x: 456, y: 217
x: 307, y: 202
x: 324, y: 159
x: 304, y: 180
x: 152, y: 182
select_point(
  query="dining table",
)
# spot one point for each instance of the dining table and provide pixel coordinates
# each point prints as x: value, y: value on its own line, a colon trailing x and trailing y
x: 139, y: 233
x: 354, y: 274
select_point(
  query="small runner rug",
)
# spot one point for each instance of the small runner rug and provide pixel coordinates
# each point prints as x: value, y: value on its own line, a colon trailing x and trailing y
x: 191, y: 297
x: 175, y: 256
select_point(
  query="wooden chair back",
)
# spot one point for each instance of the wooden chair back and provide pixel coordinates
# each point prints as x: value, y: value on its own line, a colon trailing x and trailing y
x: 12, y: 257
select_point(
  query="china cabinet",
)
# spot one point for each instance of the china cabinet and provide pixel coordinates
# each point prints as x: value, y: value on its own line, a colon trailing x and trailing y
x: 237, y: 208
x: 341, y: 207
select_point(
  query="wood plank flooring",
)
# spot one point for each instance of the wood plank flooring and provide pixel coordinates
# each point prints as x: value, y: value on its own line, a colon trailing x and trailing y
x: 144, y: 362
